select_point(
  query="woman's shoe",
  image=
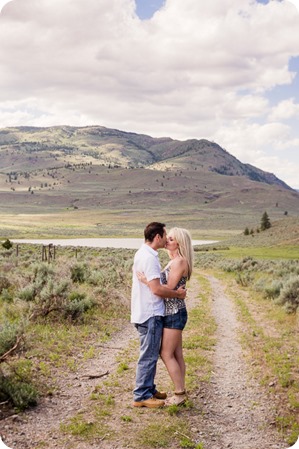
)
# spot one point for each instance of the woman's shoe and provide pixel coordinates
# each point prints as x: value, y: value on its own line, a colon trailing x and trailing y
x: 179, y: 398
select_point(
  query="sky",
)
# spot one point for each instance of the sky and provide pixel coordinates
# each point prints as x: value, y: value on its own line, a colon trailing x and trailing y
x: 223, y: 70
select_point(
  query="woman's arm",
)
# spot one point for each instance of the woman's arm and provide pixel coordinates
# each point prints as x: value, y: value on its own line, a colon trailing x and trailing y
x: 179, y: 268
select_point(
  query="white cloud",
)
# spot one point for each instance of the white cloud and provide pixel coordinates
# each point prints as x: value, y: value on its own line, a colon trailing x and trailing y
x: 285, y: 110
x: 196, y: 69
x: 281, y: 167
x: 295, y: 3
x: 270, y: 147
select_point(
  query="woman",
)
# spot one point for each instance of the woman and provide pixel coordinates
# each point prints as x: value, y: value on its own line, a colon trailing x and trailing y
x: 174, y: 275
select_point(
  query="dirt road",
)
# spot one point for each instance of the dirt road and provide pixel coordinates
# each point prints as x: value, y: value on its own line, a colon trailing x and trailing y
x: 238, y: 414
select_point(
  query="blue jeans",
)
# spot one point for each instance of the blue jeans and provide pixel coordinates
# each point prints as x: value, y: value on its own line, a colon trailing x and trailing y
x: 150, y: 334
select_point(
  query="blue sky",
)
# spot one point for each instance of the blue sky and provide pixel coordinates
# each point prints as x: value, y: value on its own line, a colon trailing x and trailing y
x: 146, y: 8
x: 225, y: 70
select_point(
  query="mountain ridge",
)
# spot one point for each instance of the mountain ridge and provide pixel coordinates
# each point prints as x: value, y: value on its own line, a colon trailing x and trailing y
x: 116, y: 178
x: 118, y: 147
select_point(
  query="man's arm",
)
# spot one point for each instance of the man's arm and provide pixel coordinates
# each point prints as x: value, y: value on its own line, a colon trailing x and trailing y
x: 165, y: 292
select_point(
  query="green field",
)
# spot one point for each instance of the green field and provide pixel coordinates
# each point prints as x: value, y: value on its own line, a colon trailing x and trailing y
x: 281, y: 252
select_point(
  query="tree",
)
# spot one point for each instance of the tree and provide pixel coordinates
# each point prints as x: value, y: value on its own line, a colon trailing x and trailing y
x: 7, y: 244
x: 265, y: 222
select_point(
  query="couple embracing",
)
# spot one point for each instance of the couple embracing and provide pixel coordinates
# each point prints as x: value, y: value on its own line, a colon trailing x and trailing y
x: 159, y: 313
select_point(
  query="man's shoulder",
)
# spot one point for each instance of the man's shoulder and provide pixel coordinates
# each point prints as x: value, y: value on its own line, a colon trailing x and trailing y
x: 147, y: 259
x: 146, y: 250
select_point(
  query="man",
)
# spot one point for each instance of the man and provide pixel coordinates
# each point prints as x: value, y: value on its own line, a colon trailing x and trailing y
x: 147, y: 310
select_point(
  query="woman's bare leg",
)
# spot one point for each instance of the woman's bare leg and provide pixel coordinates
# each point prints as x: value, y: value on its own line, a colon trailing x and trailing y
x: 180, y: 359
x: 172, y: 356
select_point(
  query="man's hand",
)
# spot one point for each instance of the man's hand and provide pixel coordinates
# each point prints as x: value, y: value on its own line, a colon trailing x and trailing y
x: 165, y: 292
x: 181, y: 293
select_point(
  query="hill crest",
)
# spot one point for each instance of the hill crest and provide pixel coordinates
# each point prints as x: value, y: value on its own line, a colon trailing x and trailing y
x: 113, y: 147
x: 97, y: 175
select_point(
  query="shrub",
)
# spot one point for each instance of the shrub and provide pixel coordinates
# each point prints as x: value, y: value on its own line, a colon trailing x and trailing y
x: 230, y: 266
x: 96, y: 278
x: 53, y: 295
x: 6, y: 295
x: 41, y: 274
x: 79, y: 273
x: 273, y: 290
x: 27, y: 293
x: 244, y: 279
x: 7, y: 244
x: 248, y: 263
x: 52, y: 298
x: 8, y: 336
x: 289, y: 295
x: 78, y: 304
x: 21, y: 394
x: 4, y: 283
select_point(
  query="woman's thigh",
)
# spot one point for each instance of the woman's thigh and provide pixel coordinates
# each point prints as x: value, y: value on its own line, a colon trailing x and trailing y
x: 171, y: 341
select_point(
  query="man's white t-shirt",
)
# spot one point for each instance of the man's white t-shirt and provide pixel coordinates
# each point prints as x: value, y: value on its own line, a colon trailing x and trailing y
x: 144, y: 304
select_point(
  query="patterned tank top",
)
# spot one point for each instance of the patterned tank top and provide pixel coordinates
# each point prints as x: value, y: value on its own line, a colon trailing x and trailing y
x: 173, y: 305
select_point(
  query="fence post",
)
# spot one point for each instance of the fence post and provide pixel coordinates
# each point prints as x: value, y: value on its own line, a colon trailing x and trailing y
x: 44, y: 253
x: 50, y: 252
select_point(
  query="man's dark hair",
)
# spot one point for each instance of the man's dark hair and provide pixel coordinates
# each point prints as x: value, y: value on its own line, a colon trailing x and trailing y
x: 152, y: 229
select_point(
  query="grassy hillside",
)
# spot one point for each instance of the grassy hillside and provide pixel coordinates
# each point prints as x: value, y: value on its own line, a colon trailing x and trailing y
x: 280, y: 241
x: 95, y: 181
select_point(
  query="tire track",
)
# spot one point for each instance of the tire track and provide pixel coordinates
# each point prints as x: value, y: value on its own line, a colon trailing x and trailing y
x: 237, y: 411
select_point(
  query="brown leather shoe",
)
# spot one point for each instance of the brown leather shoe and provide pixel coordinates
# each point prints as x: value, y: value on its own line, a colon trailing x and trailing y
x: 150, y: 403
x: 160, y: 395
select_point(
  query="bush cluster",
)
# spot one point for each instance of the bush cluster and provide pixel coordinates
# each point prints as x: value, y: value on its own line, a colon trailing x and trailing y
x: 277, y: 280
x: 9, y: 333
x: 65, y: 290
x: 21, y: 394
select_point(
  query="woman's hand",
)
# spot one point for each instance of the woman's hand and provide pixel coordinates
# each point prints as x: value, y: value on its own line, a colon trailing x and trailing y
x: 141, y: 277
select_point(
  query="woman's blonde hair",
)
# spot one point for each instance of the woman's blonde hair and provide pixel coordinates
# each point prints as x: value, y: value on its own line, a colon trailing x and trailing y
x: 185, y: 248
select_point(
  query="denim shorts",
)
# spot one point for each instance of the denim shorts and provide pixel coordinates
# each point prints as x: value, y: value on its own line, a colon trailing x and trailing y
x: 177, y: 320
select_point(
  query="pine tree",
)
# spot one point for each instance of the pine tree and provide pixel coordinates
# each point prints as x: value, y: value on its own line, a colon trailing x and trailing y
x: 265, y: 222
